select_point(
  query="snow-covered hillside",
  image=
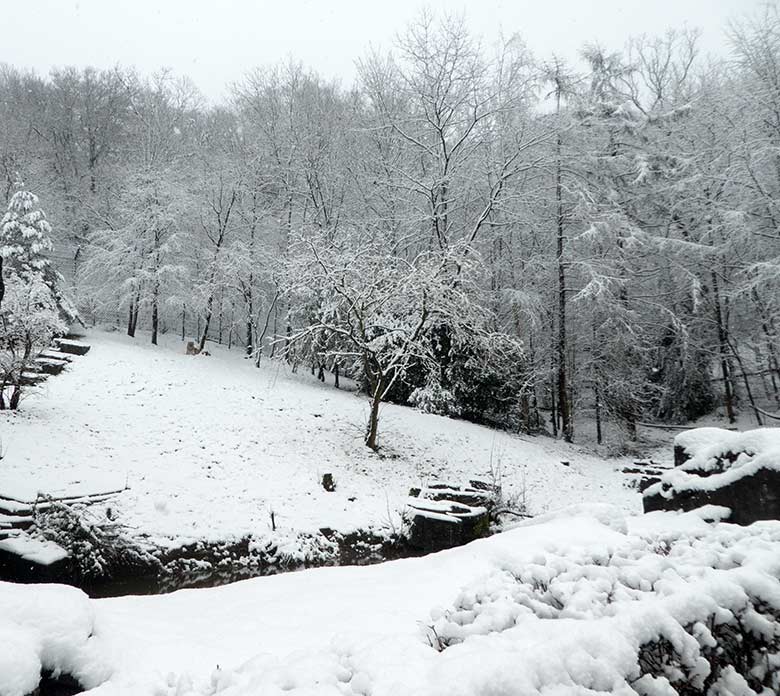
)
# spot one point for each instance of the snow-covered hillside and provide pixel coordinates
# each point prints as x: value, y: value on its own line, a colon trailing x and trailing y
x: 584, y: 603
x: 209, y: 446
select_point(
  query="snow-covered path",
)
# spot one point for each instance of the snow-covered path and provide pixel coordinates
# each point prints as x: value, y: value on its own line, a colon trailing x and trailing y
x: 209, y: 446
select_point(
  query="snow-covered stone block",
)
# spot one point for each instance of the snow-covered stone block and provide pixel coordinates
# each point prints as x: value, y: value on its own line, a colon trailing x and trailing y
x: 49, y: 366
x: 740, y: 471
x: 443, y: 524
x: 67, y: 345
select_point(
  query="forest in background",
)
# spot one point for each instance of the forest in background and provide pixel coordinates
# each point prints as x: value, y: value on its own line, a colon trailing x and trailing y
x: 471, y: 229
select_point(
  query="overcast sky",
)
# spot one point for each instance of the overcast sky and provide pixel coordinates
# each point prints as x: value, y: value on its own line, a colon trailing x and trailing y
x: 215, y: 41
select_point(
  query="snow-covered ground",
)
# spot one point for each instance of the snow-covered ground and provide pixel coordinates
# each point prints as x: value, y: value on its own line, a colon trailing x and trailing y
x: 210, y: 446
x: 557, y: 607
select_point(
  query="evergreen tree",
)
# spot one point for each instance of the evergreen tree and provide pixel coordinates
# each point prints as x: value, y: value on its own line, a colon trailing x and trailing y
x: 34, y: 307
x: 24, y: 239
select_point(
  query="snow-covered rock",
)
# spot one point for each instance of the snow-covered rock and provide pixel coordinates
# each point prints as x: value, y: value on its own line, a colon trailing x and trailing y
x: 740, y: 471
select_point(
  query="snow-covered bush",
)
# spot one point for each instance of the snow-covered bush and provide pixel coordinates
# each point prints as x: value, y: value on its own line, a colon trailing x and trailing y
x: 433, y: 398
x: 684, y: 376
x: 29, y: 319
x: 98, y: 549
x: 486, y: 372
x: 700, y: 612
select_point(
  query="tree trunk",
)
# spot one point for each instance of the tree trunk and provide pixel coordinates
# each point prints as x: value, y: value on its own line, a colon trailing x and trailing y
x: 525, y: 411
x: 230, y: 326
x: 276, y: 319
x: 773, y: 364
x: 597, y: 394
x: 220, y: 318
x: 564, y: 405
x: 2, y: 282
x: 373, y: 417
x: 155, y: 316
x: 250, y: 331
x: 132, y: 320
x: 135, y: 320
x: 746, y: 382
x: 16, y: 394
x: 207, y: 322
x: 723, y: 349
x: 250, y: 312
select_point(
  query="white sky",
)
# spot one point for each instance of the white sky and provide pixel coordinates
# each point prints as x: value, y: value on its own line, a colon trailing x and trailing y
x: 216, y: 41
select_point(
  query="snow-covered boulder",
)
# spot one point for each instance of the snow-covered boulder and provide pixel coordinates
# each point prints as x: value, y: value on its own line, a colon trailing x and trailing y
x: 688, y: 443
x: 740, y: 471
x: 45, y: 628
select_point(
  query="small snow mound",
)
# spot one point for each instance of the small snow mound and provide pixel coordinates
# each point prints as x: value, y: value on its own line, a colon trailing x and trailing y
x: 712, y: 513
x: 610, y: 516
x: 51, y: 626
x: 695, y: 439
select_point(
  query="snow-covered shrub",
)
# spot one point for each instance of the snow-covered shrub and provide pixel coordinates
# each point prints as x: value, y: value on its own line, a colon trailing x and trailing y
x: 486, y: 374
x: 475, y: 374
x: 433, y: 398
x: 684, y: 377
x: 699, y: 610
x: 98, y: 549
x: 29, y: 319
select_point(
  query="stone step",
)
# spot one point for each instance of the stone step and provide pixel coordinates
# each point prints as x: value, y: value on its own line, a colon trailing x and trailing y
x: 643, y: 471
x: 17, y: 521
x: 466, y: 495
x: 43, y: 553
x: 12, y: 508
x: 51, y: 354
x: 49, y: 366
x: 28, y: 378
x: 72, y: 347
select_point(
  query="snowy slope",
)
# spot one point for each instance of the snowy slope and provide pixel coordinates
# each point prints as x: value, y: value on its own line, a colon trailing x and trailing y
x: 209, y: 446
x: 555, y: 608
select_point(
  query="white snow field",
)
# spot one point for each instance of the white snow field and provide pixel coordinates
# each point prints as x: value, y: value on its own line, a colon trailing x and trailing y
x: 209, y: 446
x: 557, y: 607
